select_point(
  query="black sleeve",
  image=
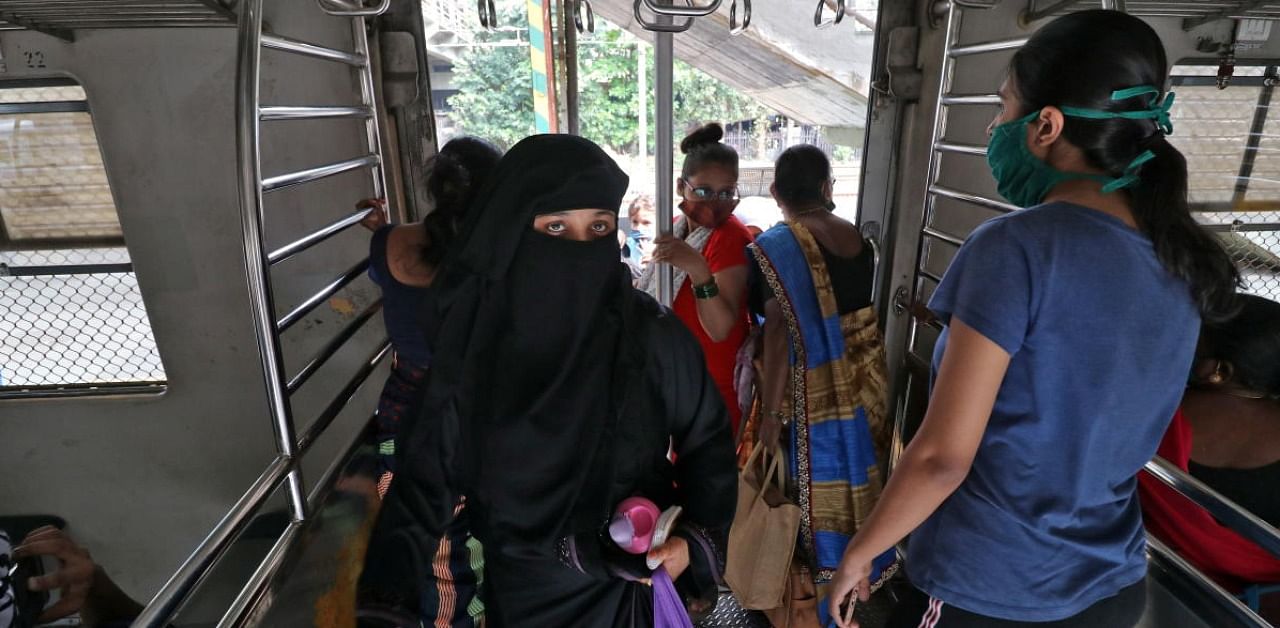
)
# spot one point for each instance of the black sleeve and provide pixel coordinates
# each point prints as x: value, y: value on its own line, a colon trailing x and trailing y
x: 706, y: 467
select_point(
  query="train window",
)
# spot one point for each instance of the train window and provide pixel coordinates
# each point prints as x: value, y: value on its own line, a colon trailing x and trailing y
x: 1229, y: 136
x: 70, y: 306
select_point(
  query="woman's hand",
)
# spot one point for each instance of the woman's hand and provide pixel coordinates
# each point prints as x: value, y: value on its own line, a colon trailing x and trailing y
x: 376, y: 219
x: 73, y: 578
x: 678, y: 253
x: 852, y: 583
x: 674, y: 556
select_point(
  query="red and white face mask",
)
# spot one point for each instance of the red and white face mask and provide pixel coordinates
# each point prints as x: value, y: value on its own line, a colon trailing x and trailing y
x: 709, y: 214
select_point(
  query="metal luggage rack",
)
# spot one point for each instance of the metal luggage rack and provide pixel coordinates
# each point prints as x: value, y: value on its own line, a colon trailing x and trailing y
x: 1198, y: 11
x: 61, y: 18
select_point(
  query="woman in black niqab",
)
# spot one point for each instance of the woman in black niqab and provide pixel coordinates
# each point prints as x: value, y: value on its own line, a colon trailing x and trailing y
x: 557, y: 392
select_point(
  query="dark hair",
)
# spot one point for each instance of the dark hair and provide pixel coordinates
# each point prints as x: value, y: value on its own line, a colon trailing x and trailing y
x: 800, y: 174
x: 1250, y: 341
x: 454, y: 176
x: 703, y: 148
x: 1078, y: 60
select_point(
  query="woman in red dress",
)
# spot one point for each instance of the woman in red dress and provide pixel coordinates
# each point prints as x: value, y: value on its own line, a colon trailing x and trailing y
x: 708, y: 251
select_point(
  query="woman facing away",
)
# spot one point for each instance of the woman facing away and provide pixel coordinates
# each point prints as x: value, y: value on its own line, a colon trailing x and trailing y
x: 825, y: 392
x: 557, y: 392
x: 1053, y: 380
x: 404, y: 261
x: 708, y: 253
x: 1227, y: 435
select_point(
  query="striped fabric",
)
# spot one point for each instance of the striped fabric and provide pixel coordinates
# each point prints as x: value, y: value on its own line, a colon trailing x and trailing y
x: 837, y: 400
x: 457, y: 570
x: 931, y: 616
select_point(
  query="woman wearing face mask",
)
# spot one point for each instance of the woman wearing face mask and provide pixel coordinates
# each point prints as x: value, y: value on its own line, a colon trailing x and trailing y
x: 532, y: 410
x: 708, y: 252
x: 1226, y: 434
x: 1052, y: 384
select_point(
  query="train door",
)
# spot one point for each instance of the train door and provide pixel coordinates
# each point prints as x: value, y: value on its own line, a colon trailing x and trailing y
x: 940, y: 189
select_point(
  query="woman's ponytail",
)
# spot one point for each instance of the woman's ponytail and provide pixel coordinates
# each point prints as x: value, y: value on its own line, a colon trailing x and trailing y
x: 454, y: 177
x: 1186, y: 249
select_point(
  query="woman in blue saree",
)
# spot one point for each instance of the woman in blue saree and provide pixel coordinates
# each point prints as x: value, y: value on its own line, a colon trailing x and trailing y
x: 823, y: 385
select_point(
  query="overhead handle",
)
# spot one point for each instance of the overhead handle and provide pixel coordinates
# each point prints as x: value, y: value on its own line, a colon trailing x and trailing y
x: 488, y: 14
x: 835, y: 19
x: 587, y: 24
x: 691, y: 10
x: 673, y: 27
x: 734, y: 27
x: 356, y: 8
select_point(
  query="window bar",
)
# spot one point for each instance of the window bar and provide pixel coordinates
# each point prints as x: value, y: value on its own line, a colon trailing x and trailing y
x: 324, y: 233
x: 316, y: 173
x: 273, y: 113
x: 296, y: 314
x: 340, y: 401
x: 248, y: 160
x: 295, y: 46
x: 961, y: 149
x: 368, y: 98
x: 984, y: 47
x: 990, y: 203
x: 331, y: 347
x: 945, y: 237
x: 1253, y: 140
x: 971, y: 99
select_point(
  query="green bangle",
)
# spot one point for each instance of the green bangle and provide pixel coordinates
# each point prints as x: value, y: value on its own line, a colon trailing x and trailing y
x: 707, y: 290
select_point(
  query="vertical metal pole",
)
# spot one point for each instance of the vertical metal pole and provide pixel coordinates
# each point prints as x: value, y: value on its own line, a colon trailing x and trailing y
x: 369, y: 98
x: 572, y: 120
x: 664, y: 168
x: 248, y: 163
x: 642, y: 84
x: 542, y: 65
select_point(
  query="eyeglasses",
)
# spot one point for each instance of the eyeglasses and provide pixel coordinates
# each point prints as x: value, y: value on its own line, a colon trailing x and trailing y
x: 707, y: 194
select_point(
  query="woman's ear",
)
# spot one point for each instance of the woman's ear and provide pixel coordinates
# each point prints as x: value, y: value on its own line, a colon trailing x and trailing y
x: 1047, y: 127
x: 829, y: 189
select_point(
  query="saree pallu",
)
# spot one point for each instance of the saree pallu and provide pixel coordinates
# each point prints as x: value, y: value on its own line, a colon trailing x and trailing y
x: 836, y: 401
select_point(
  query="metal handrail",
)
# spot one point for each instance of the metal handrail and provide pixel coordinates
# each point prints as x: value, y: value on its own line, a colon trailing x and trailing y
x: 308, y: 175
x: 584, y: 26
x: 659, y: 27
x: 971, y: 99
x: 274, y: 113
x: 252, y: 591
x: 1243, y: 522
x: 324, y: 233
x: 1032, y: 14
x: 340, y: 401
x: 330, y: 348
x: 942, y: 235
x: 985, y: 47
x: 174, y: 593
x: 350, y: 10
x: 836, y: 18
x: 330, y: 289
x: 734, y: 28
x: 1231, y: 603
x: 961, y: 148
x: 972, y: 198
x: 308, y: 49
x: 691, y: 10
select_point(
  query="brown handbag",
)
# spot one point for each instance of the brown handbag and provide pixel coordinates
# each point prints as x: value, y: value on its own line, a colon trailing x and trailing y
x: 762, y: 541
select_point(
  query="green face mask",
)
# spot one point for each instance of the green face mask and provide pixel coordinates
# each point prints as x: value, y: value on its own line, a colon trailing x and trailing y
x: 1025, y: 180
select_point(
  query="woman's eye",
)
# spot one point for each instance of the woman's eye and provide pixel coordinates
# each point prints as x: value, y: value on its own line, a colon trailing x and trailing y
x: 555, y: 227
x: 600, y: 227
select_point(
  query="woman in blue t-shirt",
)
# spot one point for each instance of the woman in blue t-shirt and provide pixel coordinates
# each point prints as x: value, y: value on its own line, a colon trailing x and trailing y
x: 1070, y: 330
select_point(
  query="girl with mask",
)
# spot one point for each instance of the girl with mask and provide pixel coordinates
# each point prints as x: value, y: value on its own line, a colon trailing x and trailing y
x: 533, y: 412
x: 708, y: 251
x: 1053, y: 382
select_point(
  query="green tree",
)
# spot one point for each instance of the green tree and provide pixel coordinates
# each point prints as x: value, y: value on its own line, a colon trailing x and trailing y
x: 495, y: 87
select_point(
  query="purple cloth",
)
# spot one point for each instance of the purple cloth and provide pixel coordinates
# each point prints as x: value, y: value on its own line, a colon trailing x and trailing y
x: 668, y: 608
